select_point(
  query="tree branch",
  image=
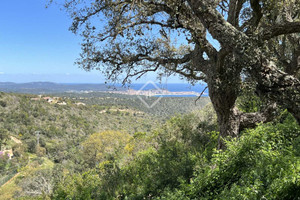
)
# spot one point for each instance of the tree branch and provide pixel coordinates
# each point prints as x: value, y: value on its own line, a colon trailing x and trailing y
x: 280, y: 29
x: 278, y: 86
x: 257, y: 12
x: 218, y: 27
x: 235, y: 7
x: 250, y: 120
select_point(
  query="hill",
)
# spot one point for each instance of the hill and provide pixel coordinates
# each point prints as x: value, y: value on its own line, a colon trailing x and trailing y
x: 56, y: 130
x: 60, y: 128
x: 164, y: 107
x: 49, y: 87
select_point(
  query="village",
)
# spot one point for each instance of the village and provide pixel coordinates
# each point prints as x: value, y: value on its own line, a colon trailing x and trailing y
x: 155, y: 92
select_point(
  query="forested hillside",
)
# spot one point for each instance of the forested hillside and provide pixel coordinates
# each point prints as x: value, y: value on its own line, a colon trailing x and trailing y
x: 31, y: 128
x: 64, y: 125
x: 180, y: 161
x: 62, y: 135
x: 97, y: 152
x: 164, y: 108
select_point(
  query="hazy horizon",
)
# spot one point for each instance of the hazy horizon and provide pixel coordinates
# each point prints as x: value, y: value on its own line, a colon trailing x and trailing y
x: 88, y: 77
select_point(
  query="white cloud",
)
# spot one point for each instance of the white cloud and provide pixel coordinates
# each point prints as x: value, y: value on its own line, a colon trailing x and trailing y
x: 1, y: 73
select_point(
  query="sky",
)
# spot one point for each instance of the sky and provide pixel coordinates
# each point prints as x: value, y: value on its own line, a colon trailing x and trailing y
x: 36, y: 45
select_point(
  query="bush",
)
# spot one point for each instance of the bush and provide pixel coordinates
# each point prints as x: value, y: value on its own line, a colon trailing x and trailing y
x: 107, y: 145
x: 177, y: 148
x: 3, y: 162
x: 78, y: 186
x: 263, y: 163
x: 31, y: 144
x: 2, y: 103
x: 179, y: 161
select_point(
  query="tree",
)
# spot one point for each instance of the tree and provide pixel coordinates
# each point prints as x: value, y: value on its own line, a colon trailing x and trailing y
x: 39, y: 183
x: 258, y: 40
x: 4, y: 136
x: 107, y: 145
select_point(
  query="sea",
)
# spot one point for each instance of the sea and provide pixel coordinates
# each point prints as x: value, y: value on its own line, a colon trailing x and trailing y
x: 172, y: 87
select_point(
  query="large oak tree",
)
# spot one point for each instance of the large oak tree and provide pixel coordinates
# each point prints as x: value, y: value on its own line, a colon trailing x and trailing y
x: 257, y: 40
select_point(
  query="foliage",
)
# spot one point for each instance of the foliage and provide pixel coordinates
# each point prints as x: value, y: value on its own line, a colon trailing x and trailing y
x: 182, y: 163
x: 24, y: 183
x: 3, y: 161
x: 2, y: 103
x: 107, y: 145
x: 3, y: 137
x: 37, y: 184
x: 78, y: 187
x: 166, y: 107
x: 181, y: 144
x: 177, y: 160
x: 263, y: 163
x: 61, y: 128
x: 256, y: 40
x: 166, y: 161
x: 248, y: 101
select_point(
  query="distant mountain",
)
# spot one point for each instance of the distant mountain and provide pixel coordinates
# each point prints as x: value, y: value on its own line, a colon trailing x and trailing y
x: 49, y: 87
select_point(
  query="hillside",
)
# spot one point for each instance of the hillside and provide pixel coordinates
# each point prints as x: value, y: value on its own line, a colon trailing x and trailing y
x: 59, y: 129
x: 164, y: 108
x: 110, y: 151
x: 24, y: 177
x: 49, y: 87
x: 34, y: 128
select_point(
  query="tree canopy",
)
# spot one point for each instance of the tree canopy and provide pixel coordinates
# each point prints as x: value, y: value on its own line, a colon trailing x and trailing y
x: 258, y: 40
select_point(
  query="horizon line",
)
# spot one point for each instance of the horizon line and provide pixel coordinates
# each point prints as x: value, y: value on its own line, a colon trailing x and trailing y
x: 103, y: 83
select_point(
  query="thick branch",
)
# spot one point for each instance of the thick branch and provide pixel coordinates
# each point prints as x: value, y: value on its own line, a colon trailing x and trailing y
x: 218, y: 27
x: 279, y: 87
x: 280, y: 29
x: 235, y: 7
x: 257, y: 13
x: 250, y: 120
x: 176, y: 62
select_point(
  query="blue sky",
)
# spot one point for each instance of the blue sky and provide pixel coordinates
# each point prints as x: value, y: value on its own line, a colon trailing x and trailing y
x: 35, y: 45
x: 35, y: 41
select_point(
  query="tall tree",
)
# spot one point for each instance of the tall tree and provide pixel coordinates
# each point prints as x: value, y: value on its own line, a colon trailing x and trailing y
x: 258, y: 39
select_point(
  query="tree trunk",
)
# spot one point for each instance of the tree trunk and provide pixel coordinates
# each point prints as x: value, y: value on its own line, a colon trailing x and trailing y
x: 223, y: 92
x: 229, y: 125
x: 223, y: 96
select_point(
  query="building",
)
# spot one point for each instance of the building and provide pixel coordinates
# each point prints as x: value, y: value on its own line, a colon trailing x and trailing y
x: 48, y: 99
x: 80, y: 104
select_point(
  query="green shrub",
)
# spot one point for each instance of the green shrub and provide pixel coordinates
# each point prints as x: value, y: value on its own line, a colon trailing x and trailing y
x: 77, y: 187
x: 180, y: 162
x: 263, y: 163
x: 2, y: 103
